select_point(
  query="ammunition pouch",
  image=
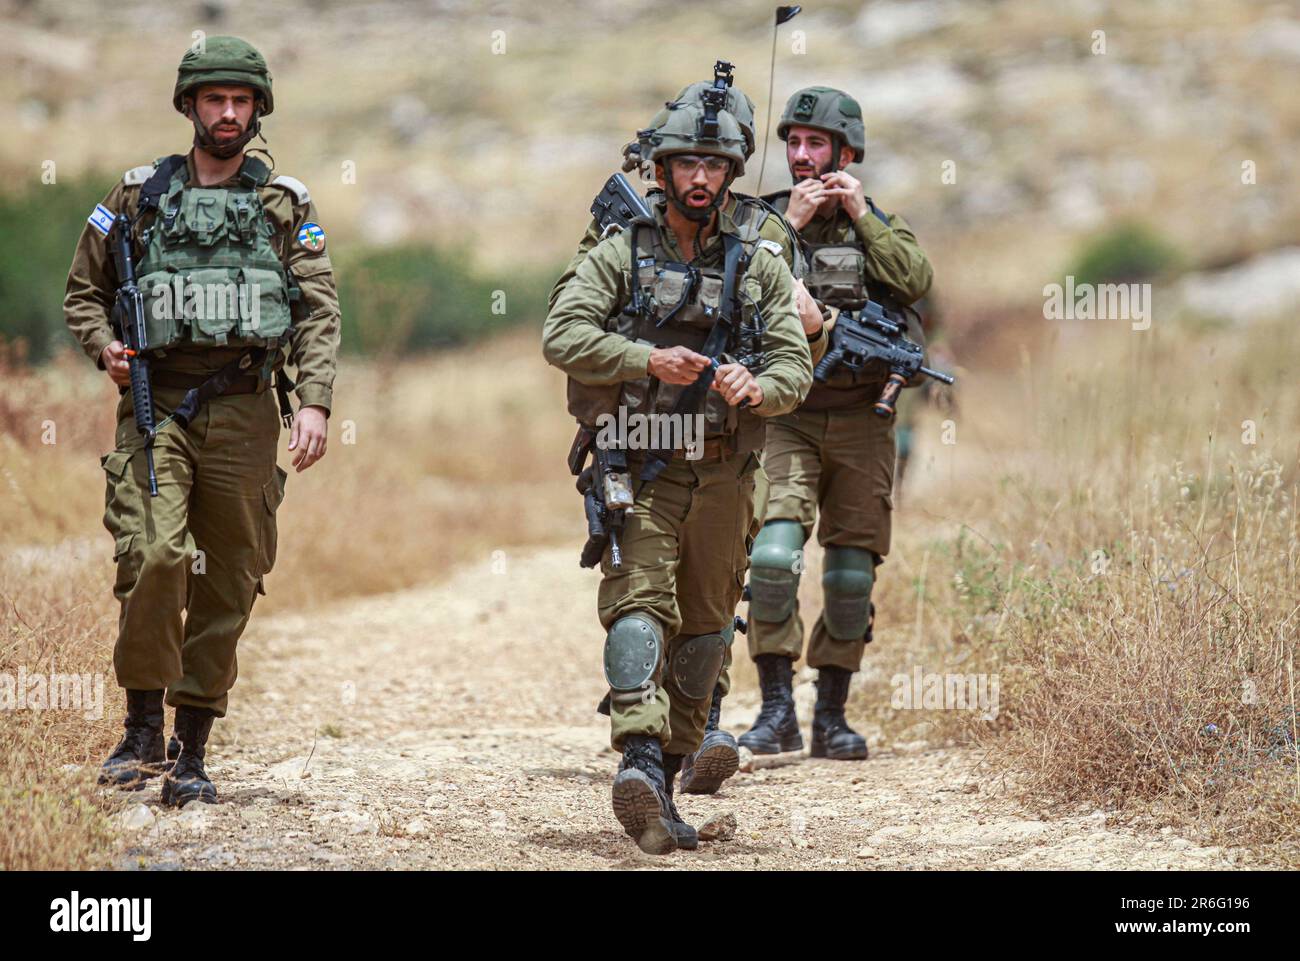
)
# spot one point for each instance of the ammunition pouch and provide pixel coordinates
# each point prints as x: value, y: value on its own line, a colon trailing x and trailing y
x: 210, y: 275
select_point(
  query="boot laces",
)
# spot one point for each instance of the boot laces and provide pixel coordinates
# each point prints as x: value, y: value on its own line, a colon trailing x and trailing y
x: 774, y: 700
x: 645, y: 761
x: 673, y: 813
x: 189, y: 767
x: 135, y: 740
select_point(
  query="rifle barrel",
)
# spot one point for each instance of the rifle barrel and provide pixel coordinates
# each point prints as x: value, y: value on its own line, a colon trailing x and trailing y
x: 938, y: 375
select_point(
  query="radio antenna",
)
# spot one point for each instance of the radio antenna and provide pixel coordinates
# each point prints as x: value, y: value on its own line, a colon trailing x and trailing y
x: 783, y: 15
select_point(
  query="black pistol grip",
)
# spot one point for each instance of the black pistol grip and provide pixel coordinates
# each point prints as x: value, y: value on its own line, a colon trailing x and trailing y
x: 826, y: 366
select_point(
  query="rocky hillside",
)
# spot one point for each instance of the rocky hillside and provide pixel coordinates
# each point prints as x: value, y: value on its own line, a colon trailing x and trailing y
x: 492, y: 124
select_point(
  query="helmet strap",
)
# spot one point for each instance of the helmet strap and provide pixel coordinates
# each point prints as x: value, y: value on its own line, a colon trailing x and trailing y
x: 203, y: 139
x: 701, y: 215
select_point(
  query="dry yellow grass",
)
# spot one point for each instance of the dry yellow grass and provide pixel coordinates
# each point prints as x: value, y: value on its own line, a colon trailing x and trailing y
x: 1105, y: 539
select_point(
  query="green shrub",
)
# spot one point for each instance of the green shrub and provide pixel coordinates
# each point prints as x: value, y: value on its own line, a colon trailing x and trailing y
x: 39, y: 228
x: 1128, y: 252
x: 415, y: 297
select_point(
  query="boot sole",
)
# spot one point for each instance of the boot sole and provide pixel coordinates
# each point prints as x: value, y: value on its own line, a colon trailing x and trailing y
x: 171, y: 796
x: 785, y: 745
x: 854, y: 754
x: 711, y: 767
x: 637, y: 807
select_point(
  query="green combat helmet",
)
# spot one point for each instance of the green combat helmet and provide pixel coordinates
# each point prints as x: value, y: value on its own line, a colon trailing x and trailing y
x: 690, y: 128
x: 825, y: 108
x: 224, y: 60
x: 738, y: 105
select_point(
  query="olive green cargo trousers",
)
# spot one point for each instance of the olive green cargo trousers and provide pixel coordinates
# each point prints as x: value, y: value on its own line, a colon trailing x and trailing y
x: 841, y: 463
x: 190, y: 561
x: 685, y: 554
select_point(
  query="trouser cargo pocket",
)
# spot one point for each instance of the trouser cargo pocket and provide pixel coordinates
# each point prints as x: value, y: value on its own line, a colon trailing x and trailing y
x: 272, y: 496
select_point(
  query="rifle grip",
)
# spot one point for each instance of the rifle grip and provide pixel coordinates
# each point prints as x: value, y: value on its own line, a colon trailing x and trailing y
x: 887, y: 405
x: 826, y: 366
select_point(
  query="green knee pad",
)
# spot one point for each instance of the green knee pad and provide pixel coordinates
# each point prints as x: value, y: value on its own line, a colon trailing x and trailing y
x: 632, y: 649
x: 774, y: 567
x: 696, y: 664
x: 847, y: 577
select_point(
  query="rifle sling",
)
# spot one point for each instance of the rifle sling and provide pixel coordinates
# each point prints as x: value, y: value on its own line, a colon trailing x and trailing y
x: 690, y: 399
x: 233, y: 378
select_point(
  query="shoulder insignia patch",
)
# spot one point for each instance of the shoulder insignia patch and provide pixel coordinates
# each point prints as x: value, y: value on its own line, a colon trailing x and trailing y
x: 295, y: 185
x: 101, y: 218
x: 311, y: 237
x: 771, y: 246
x: 137, y: 175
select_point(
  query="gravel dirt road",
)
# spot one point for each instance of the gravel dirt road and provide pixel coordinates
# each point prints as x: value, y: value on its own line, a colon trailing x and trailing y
x: 454, y: 727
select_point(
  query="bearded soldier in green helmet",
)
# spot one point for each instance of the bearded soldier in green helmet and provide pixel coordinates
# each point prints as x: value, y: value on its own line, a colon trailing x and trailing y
x: 690, y: 311
x: 718, y: 758
x: 833, y: 454
x: 191, y: 281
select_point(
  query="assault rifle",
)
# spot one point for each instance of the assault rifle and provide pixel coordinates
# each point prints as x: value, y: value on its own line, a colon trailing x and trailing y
x: 617, y: 205
x: 869, y: 334
x: 128, y: 317
x: 606, y: 488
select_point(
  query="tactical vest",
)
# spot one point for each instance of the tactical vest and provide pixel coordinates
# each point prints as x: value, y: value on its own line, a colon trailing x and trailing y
x: 210, y: 275
x: 676, y: 304
x: 837, y: 276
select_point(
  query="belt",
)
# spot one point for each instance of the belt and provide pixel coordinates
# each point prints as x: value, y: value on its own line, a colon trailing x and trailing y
x: 711, y: 451
x: 248, y: 384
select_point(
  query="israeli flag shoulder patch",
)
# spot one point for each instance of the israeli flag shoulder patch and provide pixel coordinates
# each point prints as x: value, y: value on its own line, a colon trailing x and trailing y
x: 101, y: 218
x: 771, y: 246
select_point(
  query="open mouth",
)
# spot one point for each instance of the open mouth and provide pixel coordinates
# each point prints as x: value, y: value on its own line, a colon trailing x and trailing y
x: 699, y: 198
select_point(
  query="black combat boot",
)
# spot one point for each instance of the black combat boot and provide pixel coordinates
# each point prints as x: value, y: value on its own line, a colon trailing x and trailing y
x: 187, y: 781
x: 832, y: 737
x: 640, y: 799
x: 776, y: 729
x: 685, y: 834
x: 718, y: 757
x: 139, y: 755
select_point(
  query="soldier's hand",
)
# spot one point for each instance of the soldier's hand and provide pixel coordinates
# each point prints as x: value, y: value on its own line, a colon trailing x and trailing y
x: 810, y: 315
x: 113, y: 357
x: 308, y: 436
x: 805, y: 198
x: 735, y: 383
x: 676, y: 365
x: 849, y: 189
